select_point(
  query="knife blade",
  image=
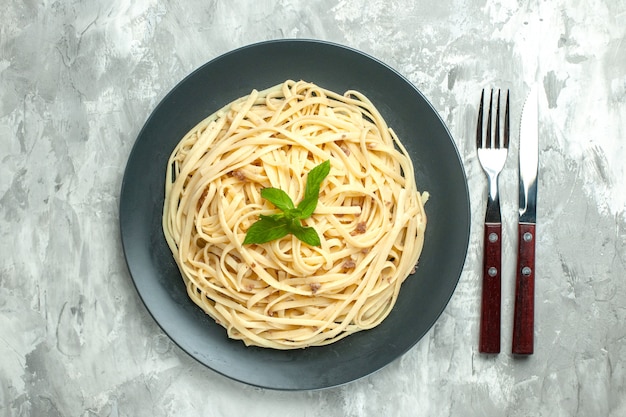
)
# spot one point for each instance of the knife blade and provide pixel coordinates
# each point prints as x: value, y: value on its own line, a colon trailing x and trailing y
x: 523, y: 317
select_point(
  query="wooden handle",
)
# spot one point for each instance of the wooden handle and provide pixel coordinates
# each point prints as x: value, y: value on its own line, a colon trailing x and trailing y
x: 524, y: 315
x: 491, y: 293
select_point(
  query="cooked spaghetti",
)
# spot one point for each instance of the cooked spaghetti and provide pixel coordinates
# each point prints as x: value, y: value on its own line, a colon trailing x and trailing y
x: 370, y: 217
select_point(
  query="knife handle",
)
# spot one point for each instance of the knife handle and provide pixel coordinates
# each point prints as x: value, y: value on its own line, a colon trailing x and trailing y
x: 524, y: 315
x: 491, y: 292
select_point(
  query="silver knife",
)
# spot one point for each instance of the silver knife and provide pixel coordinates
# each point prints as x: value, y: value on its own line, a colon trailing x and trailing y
x: 523, y: 318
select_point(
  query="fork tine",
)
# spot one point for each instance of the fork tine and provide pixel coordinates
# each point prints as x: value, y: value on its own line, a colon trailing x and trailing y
x: 488, y: 144
x: 506, y: 121
x: 497, y: 133
x: 479, y: 125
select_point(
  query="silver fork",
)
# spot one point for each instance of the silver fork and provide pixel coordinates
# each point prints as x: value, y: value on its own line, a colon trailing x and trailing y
x: 492, y: 152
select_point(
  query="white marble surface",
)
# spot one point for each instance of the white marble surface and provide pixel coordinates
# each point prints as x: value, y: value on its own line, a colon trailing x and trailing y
x: 78, y: 80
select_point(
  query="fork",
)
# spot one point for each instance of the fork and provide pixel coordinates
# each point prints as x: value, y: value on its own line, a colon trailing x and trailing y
x: 492, y: 153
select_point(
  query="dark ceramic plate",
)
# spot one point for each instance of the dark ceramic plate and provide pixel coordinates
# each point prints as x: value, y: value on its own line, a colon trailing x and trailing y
x: 438, y: 170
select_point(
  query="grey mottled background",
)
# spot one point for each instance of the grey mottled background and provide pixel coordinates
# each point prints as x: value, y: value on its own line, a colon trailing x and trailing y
x: 78, y: 80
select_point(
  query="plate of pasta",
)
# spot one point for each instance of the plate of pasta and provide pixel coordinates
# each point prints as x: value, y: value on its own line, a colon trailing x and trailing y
x: 295, y: 215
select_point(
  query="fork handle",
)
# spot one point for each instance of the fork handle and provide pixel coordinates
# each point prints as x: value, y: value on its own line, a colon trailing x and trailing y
x: 524, y: 315
x: 489, y: 341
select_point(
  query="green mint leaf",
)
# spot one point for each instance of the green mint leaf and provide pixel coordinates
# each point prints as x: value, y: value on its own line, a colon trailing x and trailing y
x: 278, y: 197
x: 266, y: 229
x: 311, y: 193
x: 315, y: 178
x: 307, y: 235
x: 307, y: 207
x: 276, y: 226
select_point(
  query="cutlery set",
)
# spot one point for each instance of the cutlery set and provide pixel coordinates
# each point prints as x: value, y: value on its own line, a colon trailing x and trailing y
x: 492, y: 147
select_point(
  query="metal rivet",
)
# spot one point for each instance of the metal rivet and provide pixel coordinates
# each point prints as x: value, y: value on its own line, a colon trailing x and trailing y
x: 493, y: 271
x: 528, y: 237
x: 526, y: 271
x: 493, y: 237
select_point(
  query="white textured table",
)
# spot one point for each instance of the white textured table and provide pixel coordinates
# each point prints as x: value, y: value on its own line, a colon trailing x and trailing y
x: 79, y: 79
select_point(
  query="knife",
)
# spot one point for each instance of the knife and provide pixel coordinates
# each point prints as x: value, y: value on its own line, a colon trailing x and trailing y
x: 523, y: 317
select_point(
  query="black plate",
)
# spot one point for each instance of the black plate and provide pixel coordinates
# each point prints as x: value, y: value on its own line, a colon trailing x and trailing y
x: 438, y: 170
